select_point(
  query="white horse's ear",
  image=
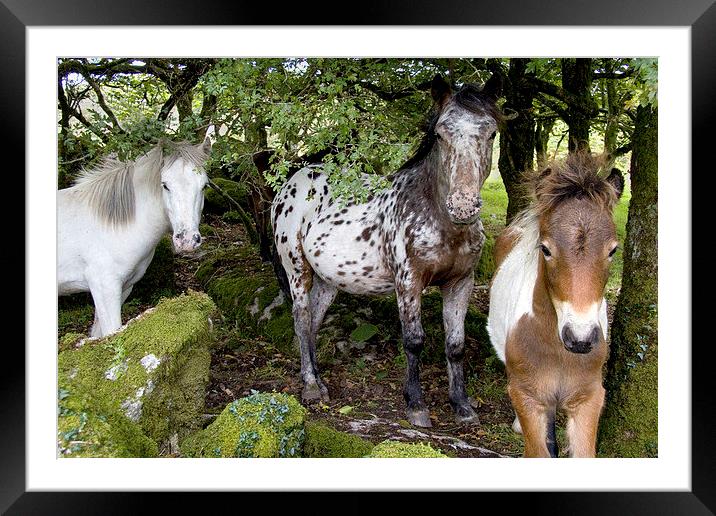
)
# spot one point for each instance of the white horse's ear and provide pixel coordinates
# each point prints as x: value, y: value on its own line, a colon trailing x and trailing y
x: 206, y: 146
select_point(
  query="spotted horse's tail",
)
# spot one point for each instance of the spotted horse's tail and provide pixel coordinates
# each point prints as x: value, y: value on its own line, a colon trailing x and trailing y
x: 280, y: 272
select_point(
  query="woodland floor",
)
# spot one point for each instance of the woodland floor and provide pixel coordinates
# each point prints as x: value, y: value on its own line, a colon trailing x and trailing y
x: 365, y: 385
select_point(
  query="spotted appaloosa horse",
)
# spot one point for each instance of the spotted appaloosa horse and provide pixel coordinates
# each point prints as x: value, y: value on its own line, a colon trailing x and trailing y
x: 548, y: 315
x: 424, y: 230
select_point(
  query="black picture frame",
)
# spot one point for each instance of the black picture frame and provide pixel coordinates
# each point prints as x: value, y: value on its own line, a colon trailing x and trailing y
x: 17, y: 15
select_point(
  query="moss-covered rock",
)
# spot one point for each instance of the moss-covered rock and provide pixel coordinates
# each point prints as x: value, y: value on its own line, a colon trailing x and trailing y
x: 160, y: 279
x: 324, y: 441
x: 216, y: 203
x: 247, y: 293
x: 259, y: 425
x: 154, y: 372
x: 87, y: 427
x: 397, y: 450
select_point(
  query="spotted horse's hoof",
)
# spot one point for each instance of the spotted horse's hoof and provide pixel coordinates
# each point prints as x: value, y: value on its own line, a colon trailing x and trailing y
x: 465, y: 414
x: 315, y: 391
x: 419, y: 417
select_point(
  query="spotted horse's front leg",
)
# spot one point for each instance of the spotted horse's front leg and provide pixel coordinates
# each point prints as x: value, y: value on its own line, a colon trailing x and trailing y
x: 409, y: 298
x: 456, y: 297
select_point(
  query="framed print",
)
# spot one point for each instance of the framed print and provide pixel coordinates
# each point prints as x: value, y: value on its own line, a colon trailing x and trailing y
x: 36, y: 35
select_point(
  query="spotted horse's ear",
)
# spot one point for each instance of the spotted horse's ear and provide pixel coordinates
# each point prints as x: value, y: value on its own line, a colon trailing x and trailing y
x: 616, y: 179
x: 493, y: 86
x: 440, y: 89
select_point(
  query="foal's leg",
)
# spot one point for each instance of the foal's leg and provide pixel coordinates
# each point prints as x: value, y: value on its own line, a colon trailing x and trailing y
x: 455, y: 300
x: 582, y: 421
x: 409, y: 298
x: 534, y: 418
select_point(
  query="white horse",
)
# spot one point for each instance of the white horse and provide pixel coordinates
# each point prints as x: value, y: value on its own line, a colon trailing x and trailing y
x: 110, y: 222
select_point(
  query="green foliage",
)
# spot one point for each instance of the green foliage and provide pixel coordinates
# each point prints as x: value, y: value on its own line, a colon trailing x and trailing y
x: 364, y: 332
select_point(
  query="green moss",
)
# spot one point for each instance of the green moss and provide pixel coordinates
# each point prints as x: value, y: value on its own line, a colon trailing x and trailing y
x: 243, y: 288
x: 629, y: 427
x: 88, y: 428
x: 154, y: 371
x: 216, y: 203
x: 397, y: 450
x: 68, y: 340
x: 486, y: 265
x: 323, y: 441
x: 259, y: 425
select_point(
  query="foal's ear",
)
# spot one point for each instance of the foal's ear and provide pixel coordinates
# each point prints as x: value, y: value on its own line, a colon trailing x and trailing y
x: 440, y: 89
x: 616, y: 179
x: 493, y: 86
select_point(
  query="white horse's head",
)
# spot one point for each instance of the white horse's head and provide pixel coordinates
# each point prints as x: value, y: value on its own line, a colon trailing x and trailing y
x: 183, y: 181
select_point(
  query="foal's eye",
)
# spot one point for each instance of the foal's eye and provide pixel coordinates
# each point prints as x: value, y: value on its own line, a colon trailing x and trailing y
x: 611, y: 253
x: 545, y: 251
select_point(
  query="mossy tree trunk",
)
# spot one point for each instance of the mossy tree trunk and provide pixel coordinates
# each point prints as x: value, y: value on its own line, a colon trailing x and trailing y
x: 629, y: 424
x: 517, y: 139
x: 543, y: 131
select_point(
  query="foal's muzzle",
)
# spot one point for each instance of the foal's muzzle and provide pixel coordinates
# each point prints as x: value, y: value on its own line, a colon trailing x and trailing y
x: 577, y: 344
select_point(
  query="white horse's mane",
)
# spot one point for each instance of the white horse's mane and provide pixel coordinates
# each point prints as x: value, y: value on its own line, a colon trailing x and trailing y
x: 108, y: 188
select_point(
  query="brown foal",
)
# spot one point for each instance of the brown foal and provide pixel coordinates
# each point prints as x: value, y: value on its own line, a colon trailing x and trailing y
x: 548, y: 315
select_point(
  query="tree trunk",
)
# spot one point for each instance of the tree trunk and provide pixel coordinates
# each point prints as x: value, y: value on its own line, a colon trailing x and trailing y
x: 629, y: 425
x: 577, y: 80
x: 543, y: 130
x: 517, y: 139
x: 611, y: 129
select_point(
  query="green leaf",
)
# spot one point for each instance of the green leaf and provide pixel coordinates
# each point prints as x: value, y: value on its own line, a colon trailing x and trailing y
x: 363, y: 332
x: 346, y: 409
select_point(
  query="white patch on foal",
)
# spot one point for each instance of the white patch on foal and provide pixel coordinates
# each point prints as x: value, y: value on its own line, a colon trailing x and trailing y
x: 512, y: 290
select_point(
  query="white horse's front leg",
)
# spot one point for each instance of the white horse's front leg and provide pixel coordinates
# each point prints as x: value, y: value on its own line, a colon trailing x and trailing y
x: 107, y: 296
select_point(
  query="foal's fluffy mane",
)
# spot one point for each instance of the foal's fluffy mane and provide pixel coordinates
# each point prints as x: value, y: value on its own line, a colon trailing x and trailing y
x: 108, y: 188
x: 580, y: 175
x: 469, y: 96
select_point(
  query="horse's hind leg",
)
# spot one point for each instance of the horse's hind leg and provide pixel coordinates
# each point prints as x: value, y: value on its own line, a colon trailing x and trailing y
x: 456, y: 297
x: 322, y: 295
x: 300, y: 279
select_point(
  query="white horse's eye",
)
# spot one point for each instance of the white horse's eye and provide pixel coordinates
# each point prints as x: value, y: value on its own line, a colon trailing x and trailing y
x: 165, y: 186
